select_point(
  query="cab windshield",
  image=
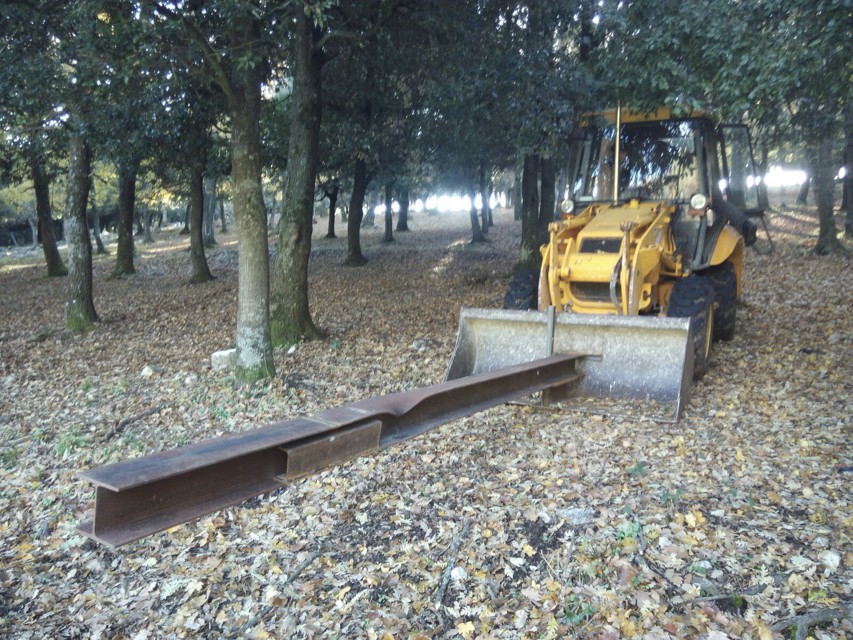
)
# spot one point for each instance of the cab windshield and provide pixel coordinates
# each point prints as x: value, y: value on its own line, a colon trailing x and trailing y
x: 658, y: 160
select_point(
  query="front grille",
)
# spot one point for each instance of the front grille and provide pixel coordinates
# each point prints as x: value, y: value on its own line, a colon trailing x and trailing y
x: 594, y: 291
x: 601, y: 245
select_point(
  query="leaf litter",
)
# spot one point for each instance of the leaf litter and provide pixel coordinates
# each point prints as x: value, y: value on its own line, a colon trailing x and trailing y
x: 512, y: 523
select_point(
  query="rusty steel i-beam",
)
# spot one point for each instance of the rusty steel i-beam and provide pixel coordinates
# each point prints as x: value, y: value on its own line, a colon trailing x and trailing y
x: 138, y: 497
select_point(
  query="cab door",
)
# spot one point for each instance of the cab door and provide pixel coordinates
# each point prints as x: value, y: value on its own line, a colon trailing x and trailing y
x: 740, y: 182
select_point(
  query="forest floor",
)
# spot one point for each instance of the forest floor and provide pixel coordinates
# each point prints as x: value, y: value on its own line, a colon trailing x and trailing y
x: 728, y: 524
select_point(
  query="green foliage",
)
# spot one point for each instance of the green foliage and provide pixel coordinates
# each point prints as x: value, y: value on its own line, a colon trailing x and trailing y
x: 9, y: 458
x: 780, y: 63
x: 671, y: 498
x: 68, y: 443
x: 577, y: 611
x: 628, y: 531
x: 639, y: 469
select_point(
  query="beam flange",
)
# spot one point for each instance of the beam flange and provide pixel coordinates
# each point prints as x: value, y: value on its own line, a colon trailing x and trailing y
x: 141, y: 496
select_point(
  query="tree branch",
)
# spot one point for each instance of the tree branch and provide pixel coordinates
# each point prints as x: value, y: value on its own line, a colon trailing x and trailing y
x: 121, y: 426
x: 210, y: 55
x: 454, y: 549
x: 360, y: 36
x: 804, y: 621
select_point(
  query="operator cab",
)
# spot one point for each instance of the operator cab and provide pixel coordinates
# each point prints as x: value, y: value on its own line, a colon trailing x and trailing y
x: 686, y: 162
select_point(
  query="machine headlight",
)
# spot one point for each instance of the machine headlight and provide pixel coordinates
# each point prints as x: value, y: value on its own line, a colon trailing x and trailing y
x: 698, y: 201
x: 567, y: 206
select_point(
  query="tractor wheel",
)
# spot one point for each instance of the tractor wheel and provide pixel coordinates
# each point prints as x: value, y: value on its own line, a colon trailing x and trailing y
x: 693, y: 298
x: 522, y: 292
x: 724, y: 279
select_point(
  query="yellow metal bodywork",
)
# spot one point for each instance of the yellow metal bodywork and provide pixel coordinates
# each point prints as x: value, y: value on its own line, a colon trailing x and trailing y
x: 622, y: 258
x: 637, y: 253
x: 729, y: 247
x: 606, y: 253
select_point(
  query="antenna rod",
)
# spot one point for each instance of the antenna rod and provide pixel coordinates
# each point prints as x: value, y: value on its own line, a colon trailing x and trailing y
x: 616, y: 158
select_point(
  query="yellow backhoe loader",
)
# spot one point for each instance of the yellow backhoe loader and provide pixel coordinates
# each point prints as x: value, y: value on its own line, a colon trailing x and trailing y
x: 643, y: 265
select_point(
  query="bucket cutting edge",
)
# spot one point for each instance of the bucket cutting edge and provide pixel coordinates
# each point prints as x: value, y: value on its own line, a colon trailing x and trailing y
x: 646, y: 358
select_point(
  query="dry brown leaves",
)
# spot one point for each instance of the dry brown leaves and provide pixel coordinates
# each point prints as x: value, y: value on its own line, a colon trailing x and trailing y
x: 513, y: 523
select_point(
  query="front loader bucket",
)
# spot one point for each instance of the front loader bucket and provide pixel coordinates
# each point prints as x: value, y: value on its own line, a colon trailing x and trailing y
x: 627, y: 357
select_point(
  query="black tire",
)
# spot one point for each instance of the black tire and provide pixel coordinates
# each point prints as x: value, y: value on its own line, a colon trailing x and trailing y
x: 724, y: 280
x: 523, y: 291
x: 693, y: 297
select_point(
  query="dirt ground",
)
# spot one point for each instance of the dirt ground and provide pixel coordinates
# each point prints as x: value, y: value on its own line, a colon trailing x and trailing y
x: 512, y: 523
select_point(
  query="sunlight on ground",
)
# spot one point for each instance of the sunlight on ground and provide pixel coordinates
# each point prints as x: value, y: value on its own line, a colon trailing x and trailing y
x: 445, y: 263
x: 15, y: 266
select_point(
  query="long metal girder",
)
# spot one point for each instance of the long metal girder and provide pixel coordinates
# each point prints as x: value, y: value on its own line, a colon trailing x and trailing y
x: 141, y: 496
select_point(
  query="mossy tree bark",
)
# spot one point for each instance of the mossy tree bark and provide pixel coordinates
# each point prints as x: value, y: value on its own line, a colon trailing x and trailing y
x: 80, y: 312
x: 41, y: 185
x: 254, y: 348
x: 290, y: 315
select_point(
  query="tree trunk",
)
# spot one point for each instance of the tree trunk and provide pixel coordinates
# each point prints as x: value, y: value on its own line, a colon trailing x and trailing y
x: 824, y: 193
x: 548, y: 202
x: 763, y: 195
x: 515, y: 196
x: 389, y: 213
x: 403, y: 216
x: 485, y: 212
x: 222, y: 213
x: 291, y: 316
x: 80, y: 312
x: 355, y: 258
x: 333, y: 205
x: 210, y: 212
x: 476, y: 231
x: 530, y: 212
x: 124, y: 223
x: 146, y: 220
x: 201, y: 271
x: 186, y: 230
x: 848, y: 177
x: 369, y: 220
x: 486, y: 190
x: 95, y: 217
x: 41, y: 184
x: 254, y: 348
x: 803, y: 195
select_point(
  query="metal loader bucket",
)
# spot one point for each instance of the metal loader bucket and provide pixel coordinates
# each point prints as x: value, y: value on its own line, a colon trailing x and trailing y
x: 628, y: 357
